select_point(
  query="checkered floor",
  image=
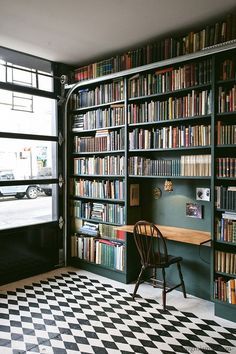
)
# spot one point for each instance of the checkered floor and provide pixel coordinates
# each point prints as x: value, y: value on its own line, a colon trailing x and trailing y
x: 71, y: 314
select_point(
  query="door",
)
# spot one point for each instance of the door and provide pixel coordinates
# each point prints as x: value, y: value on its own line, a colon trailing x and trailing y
x: 31, y: 239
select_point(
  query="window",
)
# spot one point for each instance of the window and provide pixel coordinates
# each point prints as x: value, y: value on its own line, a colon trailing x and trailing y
x: 28, y: 142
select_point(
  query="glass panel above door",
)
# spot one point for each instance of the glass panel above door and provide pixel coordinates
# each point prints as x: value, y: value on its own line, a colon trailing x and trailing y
x: 27, y: 114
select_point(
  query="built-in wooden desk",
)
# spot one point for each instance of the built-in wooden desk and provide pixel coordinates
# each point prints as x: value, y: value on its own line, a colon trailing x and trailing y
x: 179, y: 234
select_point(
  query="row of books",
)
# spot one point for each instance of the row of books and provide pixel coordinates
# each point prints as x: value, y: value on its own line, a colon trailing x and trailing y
x: 89, y: 229
x: 108, y: 165
x: 195, y: 103
x: 104, y: 93
x: 227, y: 69
x: 104, y: 140
x: 225, y: 262
x: 226, y: 167
x: 99, y: 118
x: 170, y: 79
x: 187, y: 165
x: 99, y: 189
x: 226, y: 228
x: 196, y: 165
x: 99, y: 251
x: 226, y: 133
x: 225, y: 290
x: 105, y: 212
x: 170, y: 137
x: 95, y: 229
x: 227, y: 99
x: 110, y: 231
x: 142, y: 166
x: 225, y: 197
x: 218, y: 32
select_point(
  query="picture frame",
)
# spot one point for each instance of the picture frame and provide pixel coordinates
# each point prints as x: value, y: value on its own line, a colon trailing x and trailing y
x: 203, y: 194
x: 134, y: 195
x: 194, y: 210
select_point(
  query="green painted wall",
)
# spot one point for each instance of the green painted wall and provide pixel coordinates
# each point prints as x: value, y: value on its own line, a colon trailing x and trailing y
x: 170, y: 209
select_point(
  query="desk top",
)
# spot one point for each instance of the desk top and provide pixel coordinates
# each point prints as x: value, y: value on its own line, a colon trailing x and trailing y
x: 179, y: 234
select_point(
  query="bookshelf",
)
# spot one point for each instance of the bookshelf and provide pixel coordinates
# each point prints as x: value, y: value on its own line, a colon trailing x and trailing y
x: 174, y: 119
x: 224, y: 275
x: 98, y: 178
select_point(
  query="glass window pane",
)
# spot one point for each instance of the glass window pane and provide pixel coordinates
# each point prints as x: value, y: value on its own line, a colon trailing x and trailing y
x: 38, y: 114
x: 45, y: 82
x: 22, y: 102
x: 20, y: 77
x: 27, y: 159
x: 27, y: 205
x: 26, y: 76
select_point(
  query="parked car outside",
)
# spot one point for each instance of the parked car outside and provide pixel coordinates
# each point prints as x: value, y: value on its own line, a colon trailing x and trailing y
x: 30, y: 191
x: 45, y: 172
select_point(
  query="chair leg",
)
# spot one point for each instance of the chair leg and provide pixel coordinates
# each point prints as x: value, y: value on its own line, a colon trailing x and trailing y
x: 138, y: 282
x: 154, y: 277
x: 181, y: 279
x: 164, y: 289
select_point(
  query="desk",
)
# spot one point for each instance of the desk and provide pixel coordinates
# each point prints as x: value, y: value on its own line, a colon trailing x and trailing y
x: 185, y: 243
x: 179, y: 234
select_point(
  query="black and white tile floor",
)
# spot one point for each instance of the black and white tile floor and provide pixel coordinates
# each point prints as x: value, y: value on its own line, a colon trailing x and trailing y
x: 75, y: 312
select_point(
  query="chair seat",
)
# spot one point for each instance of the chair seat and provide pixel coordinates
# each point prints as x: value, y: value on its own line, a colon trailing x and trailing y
x: 170, y: 260
x: 162, y: 262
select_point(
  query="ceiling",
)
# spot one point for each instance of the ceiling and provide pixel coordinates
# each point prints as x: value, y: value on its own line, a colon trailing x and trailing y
x: 79, y: 31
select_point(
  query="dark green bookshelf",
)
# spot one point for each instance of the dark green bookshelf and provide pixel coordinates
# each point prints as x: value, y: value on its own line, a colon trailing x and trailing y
x: 170, y: 208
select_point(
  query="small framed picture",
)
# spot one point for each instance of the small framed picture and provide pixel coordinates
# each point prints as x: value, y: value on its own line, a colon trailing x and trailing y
x: 203, y: 194
x: 134, y: 195
x: 194, y: 210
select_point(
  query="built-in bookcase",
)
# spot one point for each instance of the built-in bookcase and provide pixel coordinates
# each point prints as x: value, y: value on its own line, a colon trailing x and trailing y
x: 98, y: 182
x: 129, y: 132
x: 225, y: 183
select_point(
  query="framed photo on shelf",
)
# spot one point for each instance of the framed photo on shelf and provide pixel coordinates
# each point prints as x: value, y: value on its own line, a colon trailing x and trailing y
x: 194, y: 210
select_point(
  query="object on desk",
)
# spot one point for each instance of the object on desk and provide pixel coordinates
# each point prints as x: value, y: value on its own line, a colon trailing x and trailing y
x: 154, y: 255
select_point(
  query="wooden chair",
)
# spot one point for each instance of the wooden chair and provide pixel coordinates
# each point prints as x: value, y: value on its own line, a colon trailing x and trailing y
x: 152, y: 249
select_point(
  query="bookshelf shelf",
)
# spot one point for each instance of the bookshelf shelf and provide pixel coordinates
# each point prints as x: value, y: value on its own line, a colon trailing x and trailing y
x: 169, y: 93
x: 110, y: 200
x: 88, y: 131
x: 172, y: 177
x: 190, y: 120
x: 227, y: 146
x: 226, y: 82
x: 230, y: 275
x: 207, y: 148
x: 226, y: 114
x: 95, y: 107
x: 99, y: 152
x: 102, y: 176
x: 100, y: 221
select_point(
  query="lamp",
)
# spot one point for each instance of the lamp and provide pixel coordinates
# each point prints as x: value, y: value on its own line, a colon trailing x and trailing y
x: 168, y: 186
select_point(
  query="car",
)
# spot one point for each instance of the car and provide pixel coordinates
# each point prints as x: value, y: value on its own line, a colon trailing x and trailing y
x: 45, y: 172
x: 46, y: 188
x: 19, y: 191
